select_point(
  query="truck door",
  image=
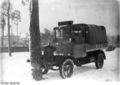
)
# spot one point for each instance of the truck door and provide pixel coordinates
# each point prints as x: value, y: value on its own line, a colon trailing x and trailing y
x: 78, y: 41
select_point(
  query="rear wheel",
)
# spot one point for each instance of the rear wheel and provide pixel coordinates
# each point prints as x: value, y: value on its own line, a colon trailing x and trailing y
x: 66, y: 69
x: 99, y: 60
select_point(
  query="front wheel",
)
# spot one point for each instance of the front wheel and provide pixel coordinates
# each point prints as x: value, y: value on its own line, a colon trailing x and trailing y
x: 66, y: 68
x: 99, y: 60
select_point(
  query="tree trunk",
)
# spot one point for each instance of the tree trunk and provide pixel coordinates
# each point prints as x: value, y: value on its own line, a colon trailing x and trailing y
x: 2, y: 40
x: 8, y: 19
x: 35, y: 42
x: 2, y: 37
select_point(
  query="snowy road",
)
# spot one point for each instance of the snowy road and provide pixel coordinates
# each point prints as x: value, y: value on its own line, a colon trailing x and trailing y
x: 17, y: 69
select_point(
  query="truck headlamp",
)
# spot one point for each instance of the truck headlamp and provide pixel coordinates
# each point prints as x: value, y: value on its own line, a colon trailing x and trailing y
x: 42, y: 52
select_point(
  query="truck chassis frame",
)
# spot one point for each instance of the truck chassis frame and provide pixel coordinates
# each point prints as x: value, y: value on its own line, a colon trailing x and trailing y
x: 65, y: 64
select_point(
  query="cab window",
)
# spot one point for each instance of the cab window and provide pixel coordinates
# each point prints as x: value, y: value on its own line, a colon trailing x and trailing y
x: 77, y: 37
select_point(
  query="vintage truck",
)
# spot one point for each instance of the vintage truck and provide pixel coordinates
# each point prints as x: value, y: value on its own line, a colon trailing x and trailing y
x: 74, y: 44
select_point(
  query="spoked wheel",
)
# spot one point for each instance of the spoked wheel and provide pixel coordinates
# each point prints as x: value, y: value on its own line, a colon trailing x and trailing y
x: 66, y: 69
x: 99, y: 60
x: 44, y: 69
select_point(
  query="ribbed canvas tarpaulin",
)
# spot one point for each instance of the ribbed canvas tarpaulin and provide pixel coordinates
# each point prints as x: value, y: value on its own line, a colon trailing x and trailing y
x: 96, y: 34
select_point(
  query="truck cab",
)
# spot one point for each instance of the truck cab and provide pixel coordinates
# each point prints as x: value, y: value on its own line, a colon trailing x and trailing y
x: 71, y: 40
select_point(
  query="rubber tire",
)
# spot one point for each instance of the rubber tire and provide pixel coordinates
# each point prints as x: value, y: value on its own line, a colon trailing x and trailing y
x: 99, y: 61
x: 70, y: 63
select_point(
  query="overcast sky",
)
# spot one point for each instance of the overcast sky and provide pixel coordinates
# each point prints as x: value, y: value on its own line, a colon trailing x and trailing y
x: 99, y: 12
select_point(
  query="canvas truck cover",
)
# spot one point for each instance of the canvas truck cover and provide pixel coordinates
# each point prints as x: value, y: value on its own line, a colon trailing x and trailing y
x: 96, y: 34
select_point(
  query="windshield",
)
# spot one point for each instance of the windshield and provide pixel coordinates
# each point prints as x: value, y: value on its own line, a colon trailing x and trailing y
x: 59, y: 33
x: 62, y: 32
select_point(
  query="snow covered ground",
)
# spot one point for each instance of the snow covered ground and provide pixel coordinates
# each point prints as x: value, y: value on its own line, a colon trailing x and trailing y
x: 16, y: 69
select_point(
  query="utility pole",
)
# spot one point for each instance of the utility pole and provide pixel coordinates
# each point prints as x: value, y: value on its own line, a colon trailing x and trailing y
x: 8, y: 19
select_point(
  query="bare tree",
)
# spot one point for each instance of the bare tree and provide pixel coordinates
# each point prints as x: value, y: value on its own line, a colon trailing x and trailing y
x: 16, y: 18
x: 6, y: 11
x: 8, y: 19
x: 2, y: 32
